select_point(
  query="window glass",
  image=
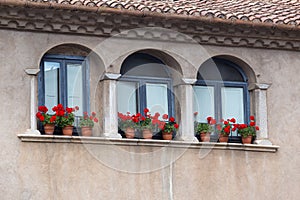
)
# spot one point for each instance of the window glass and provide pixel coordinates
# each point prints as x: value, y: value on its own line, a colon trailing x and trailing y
x: 204, y: 102
x: 51, y: 73
x: 75, y: 87
x: 127, y: 93
x: 157, y: 98
x: 232, y: 103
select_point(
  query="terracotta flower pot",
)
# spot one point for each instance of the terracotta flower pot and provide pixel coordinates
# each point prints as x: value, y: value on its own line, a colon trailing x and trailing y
x: 247, y: 140
x: 147, y: 134
x: 223, y: 138
x: 129, y: 132
x: 86, y: 131
x: 49, y: 129
x: 205, y: 137
x: 67, y: 130
x: 167, y: 135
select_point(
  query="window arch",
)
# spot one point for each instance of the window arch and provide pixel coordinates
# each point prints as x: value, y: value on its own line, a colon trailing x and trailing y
x: 221, y: 92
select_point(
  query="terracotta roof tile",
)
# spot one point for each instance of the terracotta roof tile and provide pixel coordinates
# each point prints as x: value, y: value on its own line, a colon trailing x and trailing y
x: 269, y: 11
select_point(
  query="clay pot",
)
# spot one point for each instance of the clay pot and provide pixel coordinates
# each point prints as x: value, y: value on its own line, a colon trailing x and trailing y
x: 247, y: 140
x: 67, y: 130
x: 129, y: 133
x: 147, y: 134
x: 167, y: 135
x: 223, y: 138
x: 49, y: 129
x: 86, y: 131
x: 205, y: 137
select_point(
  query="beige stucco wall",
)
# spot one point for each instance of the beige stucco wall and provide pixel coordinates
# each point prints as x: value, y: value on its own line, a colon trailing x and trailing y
x: 71, y: 171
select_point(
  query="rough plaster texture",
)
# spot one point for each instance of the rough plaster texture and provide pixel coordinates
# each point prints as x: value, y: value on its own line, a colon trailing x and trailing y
x: 69, y: 171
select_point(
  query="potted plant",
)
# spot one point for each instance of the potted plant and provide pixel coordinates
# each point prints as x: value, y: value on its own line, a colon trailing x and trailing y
x: 128, y: 123
x: 148, y: 123
x: 248, y: 131
x: 203, y: 130
x: 168, y: 127
x: 86, y: 123
x: 46, y: 119
x: 225, y: 129
x: 65, y: 118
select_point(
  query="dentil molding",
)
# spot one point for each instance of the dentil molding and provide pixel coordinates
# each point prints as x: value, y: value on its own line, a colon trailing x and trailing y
x: 109, y: 24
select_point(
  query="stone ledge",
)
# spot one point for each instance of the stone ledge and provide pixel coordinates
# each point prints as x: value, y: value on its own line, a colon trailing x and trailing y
x: 144, y: 142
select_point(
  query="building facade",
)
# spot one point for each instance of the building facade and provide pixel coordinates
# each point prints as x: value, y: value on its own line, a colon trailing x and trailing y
x: 110, y: 57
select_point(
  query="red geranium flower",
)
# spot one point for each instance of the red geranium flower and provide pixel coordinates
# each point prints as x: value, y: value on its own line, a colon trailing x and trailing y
x: 176, y: 126
x: 232, y: 120
x: 52, y: 119
x: 165, y: 116
x: 146, y: 110
x: 252, y: 118
x: 42, y: 118
x: 208, y: 119
x: 172, y: 119
x: 213, y: 121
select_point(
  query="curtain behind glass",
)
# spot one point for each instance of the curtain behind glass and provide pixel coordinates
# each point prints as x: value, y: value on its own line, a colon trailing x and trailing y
x: 126, y: 97
x: 204, y: 102
x: 75, y: 87
x: 51, y: 76
x: 157, y: 98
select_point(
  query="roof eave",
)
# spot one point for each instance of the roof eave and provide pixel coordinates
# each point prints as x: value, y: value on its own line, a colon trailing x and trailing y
x: 50, y: 5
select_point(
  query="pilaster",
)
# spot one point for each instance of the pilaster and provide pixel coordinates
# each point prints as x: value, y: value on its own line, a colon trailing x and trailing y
x: 110, y: 120
x: 184, y: 105
x: 261, y: 112
x: 33, y: 100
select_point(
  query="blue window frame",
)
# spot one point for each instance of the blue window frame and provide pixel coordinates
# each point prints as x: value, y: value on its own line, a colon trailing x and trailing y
x: 63, y: 79
x: 221, y: 92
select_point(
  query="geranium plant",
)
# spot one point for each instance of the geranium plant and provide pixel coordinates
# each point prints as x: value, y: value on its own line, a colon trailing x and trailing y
x: 148, y: 121
x: 128, y: 121
x: 246, y: 130
x: 44, y: 117
x: 227, y: 126
x: 88, y: 121
x: 65, y: 116
x: 168, y: 125
x: 205, y: 127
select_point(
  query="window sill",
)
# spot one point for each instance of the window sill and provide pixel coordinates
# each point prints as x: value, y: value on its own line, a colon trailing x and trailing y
x: 144, y: 142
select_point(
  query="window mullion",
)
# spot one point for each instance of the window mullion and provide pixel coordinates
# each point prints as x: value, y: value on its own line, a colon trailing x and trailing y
x: 218, y: 102
x: 63, y: 84
x: 85, y: 85
x: 142, y: 95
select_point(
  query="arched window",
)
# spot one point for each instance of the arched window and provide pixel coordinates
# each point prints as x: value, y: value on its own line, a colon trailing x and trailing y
x: 221, y: 92
x: 145, y: 83
x: 62, y: 79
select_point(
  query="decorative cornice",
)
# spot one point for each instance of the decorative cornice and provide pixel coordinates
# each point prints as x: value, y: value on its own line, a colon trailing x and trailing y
x: 32, y: 71
x: 261, y: 86
x: 109, y: 24
x: 110, y: 76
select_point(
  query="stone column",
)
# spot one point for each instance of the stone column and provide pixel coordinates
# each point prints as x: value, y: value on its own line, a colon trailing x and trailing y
x: 109, y: 105
x: 184, y: 108
x: 33, y: 101
x: 259, y: 103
